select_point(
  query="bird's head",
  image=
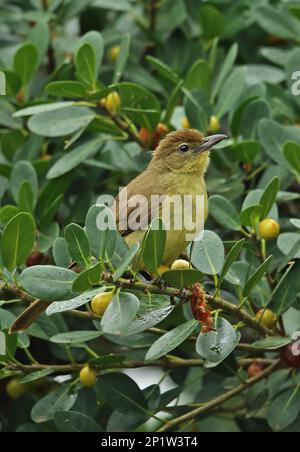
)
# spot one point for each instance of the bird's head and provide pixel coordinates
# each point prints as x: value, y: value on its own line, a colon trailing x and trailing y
x: 186, y: 151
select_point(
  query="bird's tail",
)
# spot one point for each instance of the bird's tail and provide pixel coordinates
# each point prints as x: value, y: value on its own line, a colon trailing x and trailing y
x: 28, y: 317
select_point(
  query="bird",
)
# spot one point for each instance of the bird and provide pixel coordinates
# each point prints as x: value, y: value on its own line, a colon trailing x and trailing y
x: 177, y: 168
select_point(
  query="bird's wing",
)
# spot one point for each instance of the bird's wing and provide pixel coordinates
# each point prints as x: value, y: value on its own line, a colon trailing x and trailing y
x: 133, y: 204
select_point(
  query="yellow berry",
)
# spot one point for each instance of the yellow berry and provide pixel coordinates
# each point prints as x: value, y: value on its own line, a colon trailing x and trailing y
x: 269, y: 229
x: 185, y: 123
x: 214, y: 124
x: 101, y: 302
x: 163, y: 269
x: 88, y: 376
x: 266, y: 318
x: 181, y: 264
x: 15, y: 389
x: 113, y: 102
x: 113, y: 53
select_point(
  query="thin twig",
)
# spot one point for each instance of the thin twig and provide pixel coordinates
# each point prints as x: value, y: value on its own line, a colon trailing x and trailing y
x: 194, y: 414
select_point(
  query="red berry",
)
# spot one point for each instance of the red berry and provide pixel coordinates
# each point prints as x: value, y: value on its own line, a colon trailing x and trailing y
x: 291, y: 355
x: 254, y: 370
x: 34, y: 259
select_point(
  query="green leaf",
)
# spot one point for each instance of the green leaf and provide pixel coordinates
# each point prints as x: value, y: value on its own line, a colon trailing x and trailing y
x: 25, y: 62
x: 291, y: 152
x: 173, y: 102
x: 18, y: 240
x: 277, y: 22
x: 171, y: 340
x: 231, y: 258
x: 95, y: 40
x: 75, y: 303
x: 232, y: 90
x: 75, y: 337
x: 258, y: 275
x: 147, y: 320
x: 120, y: 313
x: 101, y: 231
x: 140, y: 105
x: 217, y: 345
x: 34, y: 376
x: 208, y: 253
x: 126, y: 261
x: 74, y: 422
x: 42, y: 108
x: 199, y: 76
x: 182, y: 278
x: 286, y: 292
x: 121, y: 393
x: 246, y: 151
x: 82, y: 151
x: 211, y: 21
x: 48, y: 283
x: 251, y: 215
x: 85, y: 61
x: 47, y: 237
x: 2, y: 84
x: 269, y: 197
x: 273, y: 136
x: 26, y: 198
x: 88, y: 278
x: 225, y: 69
x: 163, y: 69
x: 284, y: 410
x: 69, y: 89
x: 122, y: 58
x: 272, y: 343
x: 59, y: 400
x: 61, y: 122
x: 253, y: 200
x: 78, y: 245
x: 295, y: 222
x: 23, y: 171
x: 289, y: 245
x: 224, y: 212
x: 154, y: 243
x: 61, y: 254
x: 117, y: 5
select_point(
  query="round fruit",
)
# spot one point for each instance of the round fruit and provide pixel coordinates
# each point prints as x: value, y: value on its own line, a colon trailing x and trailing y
x: 114, y: 53
x: 214, y: 124
x: 15, y: 389
x: 88, y: 376
x: 267, y: 318
x: 181, y: 264
x: 269, y: 229
x: 101, y: 302
x: 290, y: 355
x: 113, y: 102
x: 161, y: 129
x: 185, y: 123
x: 34, y: 259
x: 163, y: 269
x: 254, y: 370
x: 145, y: 136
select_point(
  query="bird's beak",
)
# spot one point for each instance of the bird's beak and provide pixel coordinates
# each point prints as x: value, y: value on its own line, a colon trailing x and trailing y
x: 209, y: 142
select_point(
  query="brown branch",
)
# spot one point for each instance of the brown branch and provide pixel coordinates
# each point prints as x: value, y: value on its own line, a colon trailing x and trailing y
x: 164, y: 363
x: 218, y: 303
x: 194, y: 414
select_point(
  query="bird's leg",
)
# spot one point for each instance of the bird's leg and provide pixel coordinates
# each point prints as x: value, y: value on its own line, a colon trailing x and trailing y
x: 159, y: 282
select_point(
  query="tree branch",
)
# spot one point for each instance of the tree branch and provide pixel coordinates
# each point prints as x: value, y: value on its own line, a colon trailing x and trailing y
x: 219, y: 400
x: 218, y: 302
x: 165, y: 363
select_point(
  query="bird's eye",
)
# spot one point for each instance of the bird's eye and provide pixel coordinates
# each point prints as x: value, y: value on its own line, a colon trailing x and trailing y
x: 184, y: 148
